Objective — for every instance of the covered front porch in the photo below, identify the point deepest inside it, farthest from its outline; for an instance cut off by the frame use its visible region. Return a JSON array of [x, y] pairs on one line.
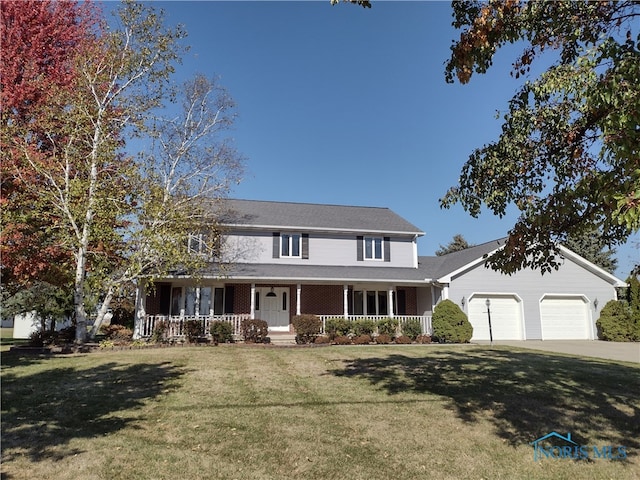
[[179, 301]]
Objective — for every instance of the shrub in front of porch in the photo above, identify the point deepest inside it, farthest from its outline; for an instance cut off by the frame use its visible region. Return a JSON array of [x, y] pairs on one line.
[[388, 326], [118, 334], [160, 330], [192, 330], [255, 330], [342, 340], [337, 327], [362, 339], [412, 328], [221, 332], [363, 326], [383, 339], [450, 324], [307, 327], [403, 340]]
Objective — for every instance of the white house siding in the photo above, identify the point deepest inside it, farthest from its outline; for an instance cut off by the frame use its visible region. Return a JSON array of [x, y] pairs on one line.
[[531, 287], [424, 301], [324, 249]]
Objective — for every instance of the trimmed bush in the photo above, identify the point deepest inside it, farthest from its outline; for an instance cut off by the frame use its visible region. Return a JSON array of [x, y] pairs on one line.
[[383, 339], [423, 339], [192, 330], [337, 327], [362, 340], [255, 331], [221, 332], [616, 323], [342, 340], [388, 326], [363, 326], [322, 339], [450, 324], [411, 328], [159, 333], [68, 334], [307, 327], [118, 334], [403, 340]]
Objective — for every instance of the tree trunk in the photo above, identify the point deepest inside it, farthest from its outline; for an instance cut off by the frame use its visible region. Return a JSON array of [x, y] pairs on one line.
[[104, 308]]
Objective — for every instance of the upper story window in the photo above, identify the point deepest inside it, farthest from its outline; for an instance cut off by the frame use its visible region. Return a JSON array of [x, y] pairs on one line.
[[373, 248], [290, 245], [199, 243]]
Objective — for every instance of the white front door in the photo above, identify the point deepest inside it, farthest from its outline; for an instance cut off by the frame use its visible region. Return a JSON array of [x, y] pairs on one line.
[[274, 309]]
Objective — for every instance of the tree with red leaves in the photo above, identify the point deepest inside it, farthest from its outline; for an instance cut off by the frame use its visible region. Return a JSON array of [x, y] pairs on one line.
[[39, 40]]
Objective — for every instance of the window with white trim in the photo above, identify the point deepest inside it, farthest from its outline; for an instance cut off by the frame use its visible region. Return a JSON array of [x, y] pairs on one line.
[[290, 245], [368, 302], [200, 243], [373, 248]]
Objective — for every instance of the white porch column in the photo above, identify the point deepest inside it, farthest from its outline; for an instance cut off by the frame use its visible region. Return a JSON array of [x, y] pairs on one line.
[[253, 301], [445, 292], [390, 303], [141, 296], [298, 298], [345, 300]]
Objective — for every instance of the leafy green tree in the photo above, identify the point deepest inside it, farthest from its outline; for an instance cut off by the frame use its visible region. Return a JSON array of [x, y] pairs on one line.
[[633, 296], [592, 247], [121, 217], [455, 245], [568, 153], [51, 303]]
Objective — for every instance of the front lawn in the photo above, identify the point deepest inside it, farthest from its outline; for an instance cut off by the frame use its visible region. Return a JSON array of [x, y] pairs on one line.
[[375, 412]]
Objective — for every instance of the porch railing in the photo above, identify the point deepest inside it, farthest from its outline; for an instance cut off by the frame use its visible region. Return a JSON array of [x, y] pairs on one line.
[[175, 323], [425, 320]]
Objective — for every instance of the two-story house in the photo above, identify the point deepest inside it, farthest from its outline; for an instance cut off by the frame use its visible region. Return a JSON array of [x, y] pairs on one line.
[[284, 259], [294, 258]]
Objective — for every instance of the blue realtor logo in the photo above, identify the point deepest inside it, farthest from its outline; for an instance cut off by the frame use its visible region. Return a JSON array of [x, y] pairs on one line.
[[565, 447]]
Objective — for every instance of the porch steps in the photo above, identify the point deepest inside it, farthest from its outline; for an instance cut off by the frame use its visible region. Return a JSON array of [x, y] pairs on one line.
[[282, 338]]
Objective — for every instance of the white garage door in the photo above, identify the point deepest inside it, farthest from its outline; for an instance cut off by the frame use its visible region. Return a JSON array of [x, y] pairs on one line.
[[564, 318], [506, 317]]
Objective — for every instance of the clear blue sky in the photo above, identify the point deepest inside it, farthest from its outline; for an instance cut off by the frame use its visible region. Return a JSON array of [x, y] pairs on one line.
[[345, 105]]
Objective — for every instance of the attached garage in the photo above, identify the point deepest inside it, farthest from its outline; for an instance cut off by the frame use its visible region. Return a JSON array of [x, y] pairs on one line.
[[565, 317], [506, 316]]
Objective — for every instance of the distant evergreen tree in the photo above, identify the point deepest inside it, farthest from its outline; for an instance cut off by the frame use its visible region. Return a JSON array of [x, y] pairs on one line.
[[592, 246], [455, 245], [633, 296]]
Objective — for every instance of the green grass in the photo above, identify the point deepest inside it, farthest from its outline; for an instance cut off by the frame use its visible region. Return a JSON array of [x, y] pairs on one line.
[[234, 412]]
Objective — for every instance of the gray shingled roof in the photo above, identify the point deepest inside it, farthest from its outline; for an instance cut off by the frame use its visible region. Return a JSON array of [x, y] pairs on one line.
[[245, 271], [310, 216], [438, 267]]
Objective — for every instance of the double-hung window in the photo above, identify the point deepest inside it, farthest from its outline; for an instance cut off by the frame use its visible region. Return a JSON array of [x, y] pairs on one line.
[[373, 248], [290, 245]]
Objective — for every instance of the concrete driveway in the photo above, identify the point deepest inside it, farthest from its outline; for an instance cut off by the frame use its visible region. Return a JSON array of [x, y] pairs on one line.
[[619, 351]]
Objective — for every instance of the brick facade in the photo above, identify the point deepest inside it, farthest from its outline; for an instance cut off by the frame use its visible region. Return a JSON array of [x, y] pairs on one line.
[[322, 299]]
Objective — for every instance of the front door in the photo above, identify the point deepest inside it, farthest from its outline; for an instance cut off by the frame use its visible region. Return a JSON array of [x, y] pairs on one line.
[[273, 307]]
